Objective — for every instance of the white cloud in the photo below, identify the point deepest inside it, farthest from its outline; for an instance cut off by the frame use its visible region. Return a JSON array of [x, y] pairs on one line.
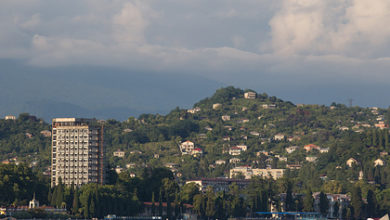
[[354, 28], [216, 39]]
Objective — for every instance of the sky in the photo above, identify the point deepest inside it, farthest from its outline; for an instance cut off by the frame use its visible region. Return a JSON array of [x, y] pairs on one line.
[[305, 51]]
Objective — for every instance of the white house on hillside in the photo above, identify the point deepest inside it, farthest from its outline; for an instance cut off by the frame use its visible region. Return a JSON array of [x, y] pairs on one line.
[[187, 147], [351, 161], [379, 162], [250, 95]]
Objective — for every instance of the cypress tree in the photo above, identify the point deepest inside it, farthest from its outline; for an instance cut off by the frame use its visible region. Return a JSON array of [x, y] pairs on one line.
[[210, 205], [324, 204], [380, 139], [49, 195], [76, 203], [356, 202], [308, 201], [289, 198], [92, 207], [153, 205], [86, 208], [377, 175], [374, 138], [336, 209], [371, 204], [160, 205], [177, 205], [60, 195]]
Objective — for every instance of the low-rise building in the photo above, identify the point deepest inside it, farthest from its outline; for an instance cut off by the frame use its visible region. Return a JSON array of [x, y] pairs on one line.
[[131, 165], [381, 125], [234, 160], [119, 153], [291, 149], [234, 151], [351, 161], [225, 117], [220, 162], [45, 133], [324, 149], [379, 162], [118, 169], [187, 147], [293, 166], [310, 147], [250, 95], [242, 147], [268, 106], [311, 159], [10, 117], [197, 152], [193, 110], [218, 184], [343, 128], [127, 130], [217, 106], [248, 172], [279, 137]]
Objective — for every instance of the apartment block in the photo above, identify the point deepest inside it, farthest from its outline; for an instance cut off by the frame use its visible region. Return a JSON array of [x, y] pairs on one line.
[[77, 151]]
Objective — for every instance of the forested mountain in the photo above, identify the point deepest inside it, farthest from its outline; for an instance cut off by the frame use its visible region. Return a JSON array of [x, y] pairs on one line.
[[268, 126]]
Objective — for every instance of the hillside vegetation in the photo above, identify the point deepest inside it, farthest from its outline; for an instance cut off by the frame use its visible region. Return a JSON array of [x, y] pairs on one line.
[[153, 140]]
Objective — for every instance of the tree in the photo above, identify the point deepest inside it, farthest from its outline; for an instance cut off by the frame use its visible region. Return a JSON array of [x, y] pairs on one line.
[[160, 205], [210, 204], [308, 201], [336, 209], [76, 202], [356, 202], [324, 204], [371, 204], [199, 205], [289, 198], [188, 191], [177, 205], [153, 205]]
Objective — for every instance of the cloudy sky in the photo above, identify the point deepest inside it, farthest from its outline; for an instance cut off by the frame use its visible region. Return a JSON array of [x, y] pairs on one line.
[[310, 51]]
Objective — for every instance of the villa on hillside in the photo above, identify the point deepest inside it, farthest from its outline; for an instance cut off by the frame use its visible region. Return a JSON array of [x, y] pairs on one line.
[[310, 147], [187, 147], [250, 95], [351, 161]]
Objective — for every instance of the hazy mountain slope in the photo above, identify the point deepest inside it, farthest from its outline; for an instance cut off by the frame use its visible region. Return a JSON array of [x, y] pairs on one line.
[[95, 91]]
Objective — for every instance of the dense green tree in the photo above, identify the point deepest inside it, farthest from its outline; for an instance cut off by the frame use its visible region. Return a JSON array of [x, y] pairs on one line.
[[324, 204], [210, 204], [199, 205], [188, 191], [371, 204], [308, 201], [356, 202], [153, 205], [336, 209], [76, 202]]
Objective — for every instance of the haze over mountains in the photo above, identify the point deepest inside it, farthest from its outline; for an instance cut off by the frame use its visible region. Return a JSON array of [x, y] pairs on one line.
[[95, 91], [106, 92]]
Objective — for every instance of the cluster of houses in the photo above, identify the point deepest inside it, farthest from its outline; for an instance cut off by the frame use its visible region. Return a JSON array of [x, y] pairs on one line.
[[223, 185], [188, 147], [248, 172]]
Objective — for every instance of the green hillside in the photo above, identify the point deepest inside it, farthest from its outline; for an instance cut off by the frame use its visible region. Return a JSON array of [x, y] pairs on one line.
[[153, 140]]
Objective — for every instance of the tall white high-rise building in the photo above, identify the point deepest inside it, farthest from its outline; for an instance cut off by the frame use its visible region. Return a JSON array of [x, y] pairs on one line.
[[77, 151]]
